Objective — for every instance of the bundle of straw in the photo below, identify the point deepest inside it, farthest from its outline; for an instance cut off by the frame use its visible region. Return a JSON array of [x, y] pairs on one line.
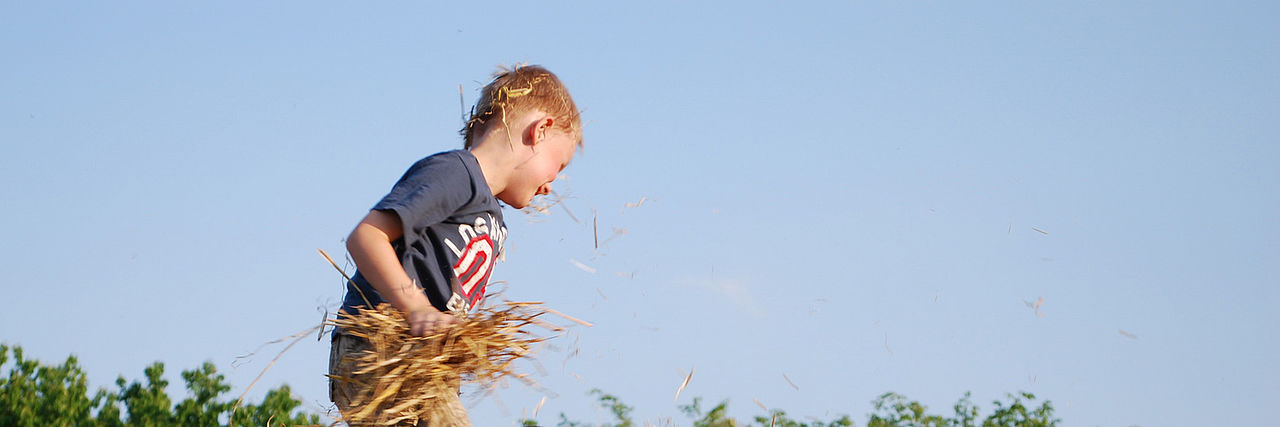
[[403, 377]]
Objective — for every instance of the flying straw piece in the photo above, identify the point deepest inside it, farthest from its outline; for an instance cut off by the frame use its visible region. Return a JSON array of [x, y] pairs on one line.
[[1126, 334], [617, 231], [558, 199], [539, 306], [322, 319], [462, 106], [296, 337], [582, 266], [334, 264], [793, 385], [595, 228], [576, 351], [1041, 231], [566, 317], [536, 408], [567, 211], [1035, 305], [636, 204], [268, 343], [684, 384], [344, 274], [761, 405]]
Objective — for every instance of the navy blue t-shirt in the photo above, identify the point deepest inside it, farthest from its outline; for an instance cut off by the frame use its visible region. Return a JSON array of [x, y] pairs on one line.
[[453, 232]]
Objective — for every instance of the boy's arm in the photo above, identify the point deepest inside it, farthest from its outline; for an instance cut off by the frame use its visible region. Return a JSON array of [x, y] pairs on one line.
[[370, 247]]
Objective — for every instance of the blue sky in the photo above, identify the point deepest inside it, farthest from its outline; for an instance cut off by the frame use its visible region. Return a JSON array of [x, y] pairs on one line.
[[861, 196]]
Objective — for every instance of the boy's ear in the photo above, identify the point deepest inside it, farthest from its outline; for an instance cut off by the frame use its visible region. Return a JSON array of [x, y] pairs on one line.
[[539, 128]]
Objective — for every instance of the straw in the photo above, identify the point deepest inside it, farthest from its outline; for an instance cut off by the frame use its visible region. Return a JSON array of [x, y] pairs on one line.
[[404, 377]]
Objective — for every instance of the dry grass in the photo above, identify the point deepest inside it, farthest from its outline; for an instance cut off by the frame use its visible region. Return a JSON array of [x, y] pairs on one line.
[[403, 377]]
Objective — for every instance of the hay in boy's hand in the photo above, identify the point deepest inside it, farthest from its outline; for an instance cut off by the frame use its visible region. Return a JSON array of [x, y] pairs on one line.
[[402, 377]]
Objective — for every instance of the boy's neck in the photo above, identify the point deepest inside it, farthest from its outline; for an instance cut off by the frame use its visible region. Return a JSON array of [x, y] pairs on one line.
[[497, 157]]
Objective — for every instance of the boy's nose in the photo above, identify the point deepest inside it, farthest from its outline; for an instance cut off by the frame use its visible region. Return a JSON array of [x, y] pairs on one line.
[[545, 189]]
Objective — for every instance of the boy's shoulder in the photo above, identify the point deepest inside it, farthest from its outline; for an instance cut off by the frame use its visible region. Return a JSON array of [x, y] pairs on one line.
[[449, 178], [453, 166], [445, 159]]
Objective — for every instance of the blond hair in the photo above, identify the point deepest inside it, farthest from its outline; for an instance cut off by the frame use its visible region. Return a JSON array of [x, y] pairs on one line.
[[519, 90]]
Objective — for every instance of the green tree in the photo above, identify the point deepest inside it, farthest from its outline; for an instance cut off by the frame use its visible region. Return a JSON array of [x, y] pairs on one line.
[[37, 395], [890, 410], [1017, 414], [893, 410], [779, 418], [202, 408], [715, 418], [149, 404], [718, 417], [620, 411], [277, 408], [108, 405], [34, 394]]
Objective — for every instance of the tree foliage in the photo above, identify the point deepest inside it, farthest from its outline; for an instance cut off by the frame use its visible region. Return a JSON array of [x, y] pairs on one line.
[[894, 410], [34, 394], [889, 410]]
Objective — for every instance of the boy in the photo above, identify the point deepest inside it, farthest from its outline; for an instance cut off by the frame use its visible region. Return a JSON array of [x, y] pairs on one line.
[[429, 246]]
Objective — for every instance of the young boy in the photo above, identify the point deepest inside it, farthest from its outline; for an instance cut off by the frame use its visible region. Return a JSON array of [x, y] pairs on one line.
[[429, 246]]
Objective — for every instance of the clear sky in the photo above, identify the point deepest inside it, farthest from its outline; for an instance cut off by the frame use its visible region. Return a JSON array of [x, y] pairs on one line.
[[861, 196]]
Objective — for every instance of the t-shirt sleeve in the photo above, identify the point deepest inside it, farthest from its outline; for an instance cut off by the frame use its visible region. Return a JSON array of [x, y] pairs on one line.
[[429, 192]]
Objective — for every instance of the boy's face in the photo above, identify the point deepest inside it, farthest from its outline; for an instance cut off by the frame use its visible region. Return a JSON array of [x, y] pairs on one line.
[[533, 177]]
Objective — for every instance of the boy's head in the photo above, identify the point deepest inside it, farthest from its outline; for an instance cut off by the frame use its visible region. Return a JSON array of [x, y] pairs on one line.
[[524, 130], [517, 91]]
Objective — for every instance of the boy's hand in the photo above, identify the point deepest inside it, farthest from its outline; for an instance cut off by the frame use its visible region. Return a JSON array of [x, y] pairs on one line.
[[427, 321]]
